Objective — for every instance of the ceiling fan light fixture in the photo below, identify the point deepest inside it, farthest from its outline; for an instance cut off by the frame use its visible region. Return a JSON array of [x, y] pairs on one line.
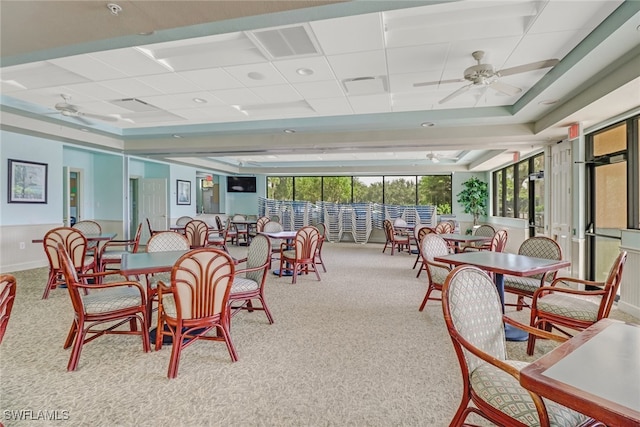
[[304, 71], [289, 131], [427, 124]]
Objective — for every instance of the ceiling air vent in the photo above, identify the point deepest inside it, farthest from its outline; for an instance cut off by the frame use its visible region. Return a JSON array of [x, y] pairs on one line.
[[134, 104], [286, 42], [365, 85]]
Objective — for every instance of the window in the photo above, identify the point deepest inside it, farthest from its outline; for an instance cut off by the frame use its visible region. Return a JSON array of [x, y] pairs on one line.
[[518, 191], [434, 190]]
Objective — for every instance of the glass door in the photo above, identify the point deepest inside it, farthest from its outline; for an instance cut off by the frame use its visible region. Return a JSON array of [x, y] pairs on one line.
[[607, 199]]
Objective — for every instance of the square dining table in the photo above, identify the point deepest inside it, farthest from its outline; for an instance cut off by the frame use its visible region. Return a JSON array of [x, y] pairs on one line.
[[457, 238], [501, 263], [597, 373]]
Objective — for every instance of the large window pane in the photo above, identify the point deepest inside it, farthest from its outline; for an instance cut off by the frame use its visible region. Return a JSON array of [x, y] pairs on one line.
[[435, 190], [510, 194], [523, 190], [280, 187], [308, 188], [499, 193], [336, 189], [367, 189], [400, 190], [611, 199]]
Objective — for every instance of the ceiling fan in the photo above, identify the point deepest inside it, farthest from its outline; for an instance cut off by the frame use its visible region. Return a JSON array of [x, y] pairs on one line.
[[70, 110], [436, 157], [484, 75]]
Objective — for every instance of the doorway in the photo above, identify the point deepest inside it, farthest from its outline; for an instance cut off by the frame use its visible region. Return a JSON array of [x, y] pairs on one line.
[[133, 207], [72, 195], [606, 198]]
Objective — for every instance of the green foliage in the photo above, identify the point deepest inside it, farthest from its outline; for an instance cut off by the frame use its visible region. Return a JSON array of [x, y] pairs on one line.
[[474, 198]]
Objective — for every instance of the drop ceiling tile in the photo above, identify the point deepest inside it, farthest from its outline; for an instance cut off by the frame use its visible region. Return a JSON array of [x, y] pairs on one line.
[[399, 83], [211, 79], [130, 61], [362, 64], [365, 104], [89, 67], [213, 114], [415, 101], [86, 91], [131, 87], [412, 59], [537, 47], [315, 90], [343, 35], [169, 83], [277, 93], [256, 74], [238, 96], [179, 101], [331, 106], [40, 75], [318, 65]]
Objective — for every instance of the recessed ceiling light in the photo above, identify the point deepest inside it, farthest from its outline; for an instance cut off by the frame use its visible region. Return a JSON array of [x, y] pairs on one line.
[[254, 75], [175, 135], [84, 130], [114, 8], [304, 71], [427, 124], [548, 102], [146, 33], [289, 131], [199, 100]]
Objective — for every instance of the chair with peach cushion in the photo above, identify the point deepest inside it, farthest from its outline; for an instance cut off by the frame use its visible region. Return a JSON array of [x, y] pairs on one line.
[[75, 244], [394, 239], [89, 227], [485, 230], [7, 297], [101, 305], [444, 227], [300, 255], [497, 244], [562, 308], [248, 282], [195, 301], [474, 319], [432, 245]]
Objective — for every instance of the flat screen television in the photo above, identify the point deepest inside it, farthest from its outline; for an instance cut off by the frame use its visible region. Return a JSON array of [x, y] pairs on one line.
[[241, 184]]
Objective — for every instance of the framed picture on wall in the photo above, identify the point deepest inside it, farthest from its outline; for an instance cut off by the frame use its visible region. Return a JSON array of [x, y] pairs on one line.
[[183, 192], [27, 182]]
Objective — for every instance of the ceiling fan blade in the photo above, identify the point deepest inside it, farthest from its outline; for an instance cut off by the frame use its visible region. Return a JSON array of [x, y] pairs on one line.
[[438, 82], [528, 67], [458, 92], [505, 88]]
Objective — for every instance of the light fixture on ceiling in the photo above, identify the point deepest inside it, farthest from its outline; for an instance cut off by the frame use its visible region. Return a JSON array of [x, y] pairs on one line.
[[548, 102], [289, 131], [199, 100], [304, 71], [146, 33], [114, 8], [254, 75], [427, 124], [175, 135]]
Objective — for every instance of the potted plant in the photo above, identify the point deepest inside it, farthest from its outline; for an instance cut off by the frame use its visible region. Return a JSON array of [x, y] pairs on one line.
[[474, 198]]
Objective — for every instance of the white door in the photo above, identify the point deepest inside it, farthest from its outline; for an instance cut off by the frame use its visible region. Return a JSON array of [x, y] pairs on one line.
[[561, 189], [152, 197]]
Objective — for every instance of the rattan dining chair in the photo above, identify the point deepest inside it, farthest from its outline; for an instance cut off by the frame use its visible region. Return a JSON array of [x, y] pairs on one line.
[[432, 245], [567, 309], [7, 298], [394, 239], [300, 255], [112, 251], [195, 301], [197, 233], [474, 319]]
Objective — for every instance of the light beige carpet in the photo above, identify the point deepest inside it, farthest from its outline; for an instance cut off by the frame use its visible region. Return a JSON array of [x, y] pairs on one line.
[[350, 350]]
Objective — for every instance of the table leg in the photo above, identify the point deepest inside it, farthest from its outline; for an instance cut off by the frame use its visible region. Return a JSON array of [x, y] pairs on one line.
[[511, 333]]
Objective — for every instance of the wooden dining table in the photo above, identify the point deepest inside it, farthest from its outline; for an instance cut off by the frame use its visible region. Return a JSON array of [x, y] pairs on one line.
[[501, 263], [282, 235], [597, 373], [457, 239]]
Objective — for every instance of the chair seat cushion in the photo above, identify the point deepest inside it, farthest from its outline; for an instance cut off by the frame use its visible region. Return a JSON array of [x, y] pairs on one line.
[[112, 256], [154, 279], [110, 299], [216, 239], [438, 274], [169, 305], [88, 261], [242, 284], [289, 254], [522, 284], [504, 392], [570, 306]]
